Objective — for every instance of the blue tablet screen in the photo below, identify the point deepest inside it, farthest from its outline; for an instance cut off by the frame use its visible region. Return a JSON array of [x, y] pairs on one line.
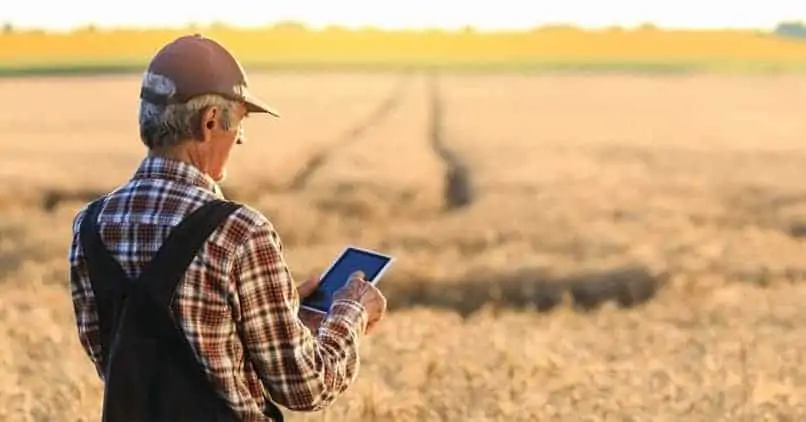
[[351, 261]]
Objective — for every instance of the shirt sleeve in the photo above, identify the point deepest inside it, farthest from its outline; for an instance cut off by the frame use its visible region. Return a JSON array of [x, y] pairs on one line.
[[301, 370], [84, 304]]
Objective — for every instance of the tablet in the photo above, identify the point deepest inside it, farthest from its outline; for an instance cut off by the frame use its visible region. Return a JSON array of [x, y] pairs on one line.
[[372, 264]]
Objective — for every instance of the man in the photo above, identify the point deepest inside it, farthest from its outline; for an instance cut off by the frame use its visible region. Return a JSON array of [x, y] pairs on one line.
[[183, 300]]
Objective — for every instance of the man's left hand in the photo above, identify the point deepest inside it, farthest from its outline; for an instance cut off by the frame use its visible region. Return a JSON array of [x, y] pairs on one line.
[[310, 319], [307, 287]]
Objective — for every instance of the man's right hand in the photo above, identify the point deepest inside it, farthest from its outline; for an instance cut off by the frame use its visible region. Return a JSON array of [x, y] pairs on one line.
[[361, 291]]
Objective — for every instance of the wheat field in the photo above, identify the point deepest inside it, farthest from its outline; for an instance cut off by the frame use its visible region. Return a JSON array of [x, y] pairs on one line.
[[542, 48], [570, 247]]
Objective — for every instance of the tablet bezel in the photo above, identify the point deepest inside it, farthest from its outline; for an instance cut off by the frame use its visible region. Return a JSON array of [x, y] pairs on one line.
[[347, 249]]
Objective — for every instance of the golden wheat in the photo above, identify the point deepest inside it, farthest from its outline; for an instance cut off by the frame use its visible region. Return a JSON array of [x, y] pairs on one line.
[[568, 177]]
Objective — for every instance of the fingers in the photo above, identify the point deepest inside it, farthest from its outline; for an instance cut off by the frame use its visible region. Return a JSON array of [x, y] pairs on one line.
[[373, 322], [368, 295], [306, 288], [311, 320], [378, 314]]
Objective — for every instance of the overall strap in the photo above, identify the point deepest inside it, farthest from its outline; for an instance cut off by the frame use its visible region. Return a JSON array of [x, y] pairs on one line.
[[168, 266], [107, 278]]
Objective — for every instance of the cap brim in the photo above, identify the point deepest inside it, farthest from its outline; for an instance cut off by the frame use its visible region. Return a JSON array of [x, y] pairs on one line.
[[256, 105]]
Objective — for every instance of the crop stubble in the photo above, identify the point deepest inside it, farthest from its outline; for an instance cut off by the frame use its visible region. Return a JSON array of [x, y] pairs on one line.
[[570, 183]]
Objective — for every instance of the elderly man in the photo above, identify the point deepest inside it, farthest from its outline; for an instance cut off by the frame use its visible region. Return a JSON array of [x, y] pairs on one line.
[[183, 300]]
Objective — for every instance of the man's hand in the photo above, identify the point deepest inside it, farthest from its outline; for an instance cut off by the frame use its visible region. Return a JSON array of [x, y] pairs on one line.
[[308, 286], [368, 295], [310, 319]]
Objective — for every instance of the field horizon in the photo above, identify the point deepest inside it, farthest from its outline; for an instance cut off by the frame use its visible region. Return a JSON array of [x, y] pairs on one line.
[[293, 46]]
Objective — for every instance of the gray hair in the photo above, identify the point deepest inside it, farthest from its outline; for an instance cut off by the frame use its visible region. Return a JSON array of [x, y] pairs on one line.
[[166, 126]]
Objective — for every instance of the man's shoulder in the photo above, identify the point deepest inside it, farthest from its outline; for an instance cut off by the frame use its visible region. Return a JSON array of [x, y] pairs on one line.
[[78, 217], [248, 220], [250, 215], [244, 226]]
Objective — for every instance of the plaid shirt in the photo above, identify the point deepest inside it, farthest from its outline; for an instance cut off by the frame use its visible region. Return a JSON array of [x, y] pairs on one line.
[[237, 298]]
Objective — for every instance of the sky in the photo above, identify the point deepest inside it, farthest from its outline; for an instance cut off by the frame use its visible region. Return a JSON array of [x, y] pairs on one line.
[[496, 14]]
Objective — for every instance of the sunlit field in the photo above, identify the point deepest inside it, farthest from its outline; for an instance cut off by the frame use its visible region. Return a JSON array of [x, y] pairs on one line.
[[646, 49], [570, 247]]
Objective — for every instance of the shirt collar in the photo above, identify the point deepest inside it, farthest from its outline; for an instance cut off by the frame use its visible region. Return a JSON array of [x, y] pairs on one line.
[[176, 171]]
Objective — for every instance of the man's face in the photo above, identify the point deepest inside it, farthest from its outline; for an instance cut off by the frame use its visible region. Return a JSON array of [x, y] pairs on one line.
[[218, 142]]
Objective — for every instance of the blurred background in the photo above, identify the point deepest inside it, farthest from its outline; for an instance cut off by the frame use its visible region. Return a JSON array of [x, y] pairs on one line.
[[597, 208]]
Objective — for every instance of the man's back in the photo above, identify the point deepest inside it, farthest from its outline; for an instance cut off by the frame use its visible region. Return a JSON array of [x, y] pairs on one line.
[[236, 302], [150, 370]]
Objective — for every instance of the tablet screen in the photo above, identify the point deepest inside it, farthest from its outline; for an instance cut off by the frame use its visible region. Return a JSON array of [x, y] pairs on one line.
[[350, 261]]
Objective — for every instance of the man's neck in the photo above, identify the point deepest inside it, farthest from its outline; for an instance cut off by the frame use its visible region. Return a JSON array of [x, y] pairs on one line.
[[180, 154], [174, 153]]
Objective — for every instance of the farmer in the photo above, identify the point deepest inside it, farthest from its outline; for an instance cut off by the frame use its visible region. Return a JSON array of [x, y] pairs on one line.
[[183, 300]]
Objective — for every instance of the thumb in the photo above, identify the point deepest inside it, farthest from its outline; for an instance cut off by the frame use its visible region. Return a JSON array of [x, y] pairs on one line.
[[308, 286]]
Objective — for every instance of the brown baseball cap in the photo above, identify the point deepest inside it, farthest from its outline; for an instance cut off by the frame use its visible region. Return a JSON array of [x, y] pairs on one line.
[[199, 65]]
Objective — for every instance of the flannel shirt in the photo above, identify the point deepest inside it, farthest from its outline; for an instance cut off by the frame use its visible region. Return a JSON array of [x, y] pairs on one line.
[[237, 304]]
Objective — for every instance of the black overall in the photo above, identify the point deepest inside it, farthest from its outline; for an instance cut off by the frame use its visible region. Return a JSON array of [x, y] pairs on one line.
[[151, 373]]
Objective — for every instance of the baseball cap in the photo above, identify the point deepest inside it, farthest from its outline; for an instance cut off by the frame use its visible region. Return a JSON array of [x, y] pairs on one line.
[[199, 65]]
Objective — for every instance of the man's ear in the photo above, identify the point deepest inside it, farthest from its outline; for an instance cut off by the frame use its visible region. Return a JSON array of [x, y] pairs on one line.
[[209, 122]]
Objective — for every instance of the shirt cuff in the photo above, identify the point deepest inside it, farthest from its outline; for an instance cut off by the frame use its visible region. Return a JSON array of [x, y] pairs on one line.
[[350, 311]]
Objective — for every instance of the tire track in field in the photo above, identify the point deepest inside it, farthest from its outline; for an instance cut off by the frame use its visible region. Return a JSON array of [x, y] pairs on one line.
[[629, 285], [376, 116], [51, 199], [459, 191]]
